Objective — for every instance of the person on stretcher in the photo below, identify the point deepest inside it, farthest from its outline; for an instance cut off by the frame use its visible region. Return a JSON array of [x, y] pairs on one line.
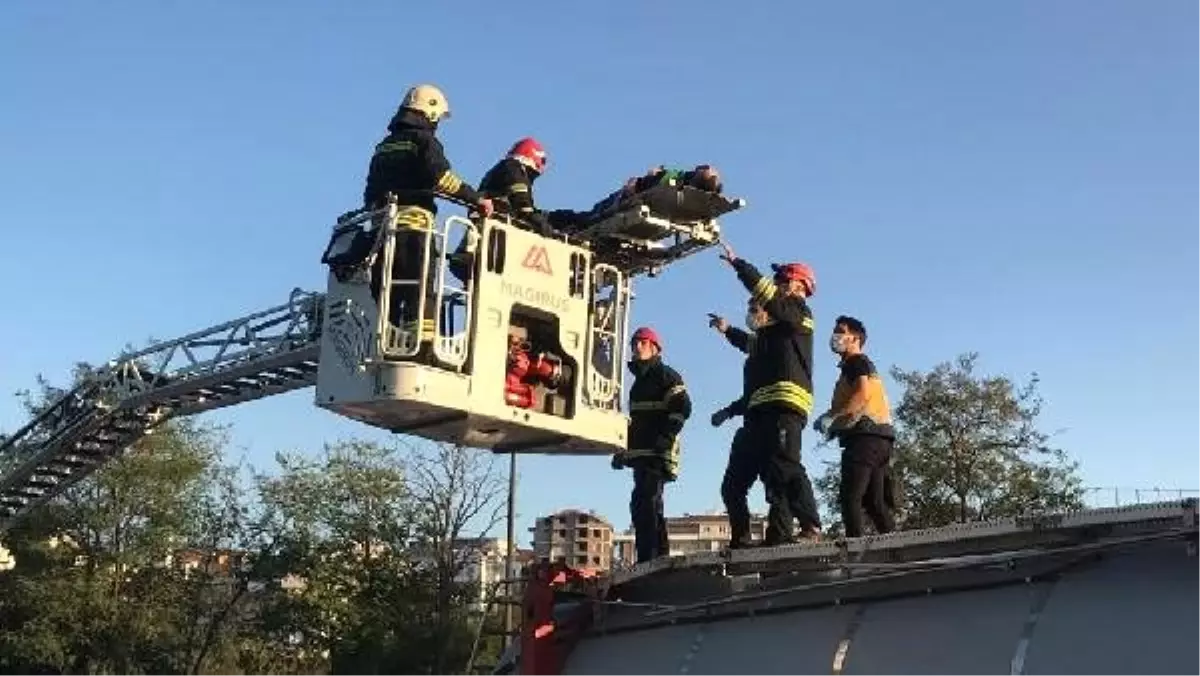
[[702, 177]]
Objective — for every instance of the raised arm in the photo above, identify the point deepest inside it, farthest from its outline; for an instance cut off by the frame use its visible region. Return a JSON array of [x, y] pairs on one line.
[[739, 339], [789, 310]]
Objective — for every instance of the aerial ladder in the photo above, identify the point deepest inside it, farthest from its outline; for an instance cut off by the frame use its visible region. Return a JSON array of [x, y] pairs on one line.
[[525, 356]]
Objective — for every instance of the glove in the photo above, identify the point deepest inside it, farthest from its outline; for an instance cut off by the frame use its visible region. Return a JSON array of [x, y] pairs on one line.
[[823, 423], [618, 461], [720, 417]]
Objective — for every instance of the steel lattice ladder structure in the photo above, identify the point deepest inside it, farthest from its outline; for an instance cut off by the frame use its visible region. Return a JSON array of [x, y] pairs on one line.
[[265, 353]]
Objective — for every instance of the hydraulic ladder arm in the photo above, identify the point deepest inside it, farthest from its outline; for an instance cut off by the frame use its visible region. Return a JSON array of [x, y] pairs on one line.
[[259, 355]]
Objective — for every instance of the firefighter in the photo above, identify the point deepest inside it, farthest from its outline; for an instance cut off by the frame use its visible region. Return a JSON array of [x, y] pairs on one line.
[[779, 386], [410, 164], [743, 467], [861, 419], [659, 406], [509, 184]]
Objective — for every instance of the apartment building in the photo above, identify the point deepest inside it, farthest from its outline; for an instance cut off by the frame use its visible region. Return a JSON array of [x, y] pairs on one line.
[[581, 539], [484, 566], [690, 533]]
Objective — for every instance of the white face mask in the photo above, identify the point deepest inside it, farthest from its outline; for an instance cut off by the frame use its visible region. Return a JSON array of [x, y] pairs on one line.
[[754, 323], [837, 342]]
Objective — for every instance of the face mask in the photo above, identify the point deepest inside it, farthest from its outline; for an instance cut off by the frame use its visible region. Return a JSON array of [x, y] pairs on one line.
[[837, 342]]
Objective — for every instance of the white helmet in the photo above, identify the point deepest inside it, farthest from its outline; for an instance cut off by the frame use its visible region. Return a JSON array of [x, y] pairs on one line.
[[427, 100]]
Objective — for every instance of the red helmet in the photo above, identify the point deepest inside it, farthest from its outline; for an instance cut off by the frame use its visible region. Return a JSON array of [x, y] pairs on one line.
[[647, 334], [796, 272], [529, 152]]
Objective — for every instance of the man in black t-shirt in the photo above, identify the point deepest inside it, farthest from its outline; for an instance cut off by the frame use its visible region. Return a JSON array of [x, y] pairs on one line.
[[861, 418]]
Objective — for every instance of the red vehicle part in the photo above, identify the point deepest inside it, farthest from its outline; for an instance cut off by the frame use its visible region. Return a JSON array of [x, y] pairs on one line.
[[524, 373], [551, 626], [516, 391]]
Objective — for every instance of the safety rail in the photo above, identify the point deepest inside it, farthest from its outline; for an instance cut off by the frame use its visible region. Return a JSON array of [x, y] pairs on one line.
[[397, 342], [404, 342], [1117, 496], [68, 409], [265, 353], [610, 307], [453, 343], [953, 540]]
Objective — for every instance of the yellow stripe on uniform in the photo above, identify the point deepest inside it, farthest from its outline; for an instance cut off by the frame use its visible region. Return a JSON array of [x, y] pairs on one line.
[[670, 460], [427, 326], [396, 147], [647, 406], [808, 324], [449, 183], [414, 218], [764, 290], [517, 188], [640, 453], [784, 392], [674, 391]]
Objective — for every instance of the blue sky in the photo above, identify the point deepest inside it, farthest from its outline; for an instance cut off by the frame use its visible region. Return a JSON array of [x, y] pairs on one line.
[[1015, 178]]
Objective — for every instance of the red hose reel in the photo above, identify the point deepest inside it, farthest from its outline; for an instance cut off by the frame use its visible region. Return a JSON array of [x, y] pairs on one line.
[[525, 373]]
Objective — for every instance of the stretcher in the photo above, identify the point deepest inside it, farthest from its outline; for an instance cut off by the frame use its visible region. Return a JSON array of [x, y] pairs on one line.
[[648, 230]]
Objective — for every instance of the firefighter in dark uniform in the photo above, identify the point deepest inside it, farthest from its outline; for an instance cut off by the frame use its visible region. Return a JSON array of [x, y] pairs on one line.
[[743, 467], [509, 184], [861, 419], [659, 406], [779, 387], [411, 164]]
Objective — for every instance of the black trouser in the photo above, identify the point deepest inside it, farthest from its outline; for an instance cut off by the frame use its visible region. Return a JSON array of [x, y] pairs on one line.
[[408, 262], [646, 510], [740, 474], [864, 483], [775, 435], [891, 491]]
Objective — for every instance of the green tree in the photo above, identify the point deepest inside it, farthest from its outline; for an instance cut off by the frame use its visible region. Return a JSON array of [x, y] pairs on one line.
[[347, 562], [458, 495], [342, 520], [92, 590], [368, 532], [968, 447]]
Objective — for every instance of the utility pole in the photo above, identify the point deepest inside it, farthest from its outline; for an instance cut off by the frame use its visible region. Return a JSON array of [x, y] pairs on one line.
[[510, 563]]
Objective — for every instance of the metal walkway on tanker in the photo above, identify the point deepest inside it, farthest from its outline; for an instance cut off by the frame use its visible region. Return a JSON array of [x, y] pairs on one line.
[[1097, 591]]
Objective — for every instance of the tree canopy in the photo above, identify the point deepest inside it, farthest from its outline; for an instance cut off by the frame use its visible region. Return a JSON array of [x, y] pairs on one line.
[[169, 560]]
